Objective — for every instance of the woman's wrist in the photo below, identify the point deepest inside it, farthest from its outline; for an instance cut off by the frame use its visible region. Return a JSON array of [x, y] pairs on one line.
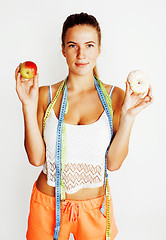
[[127, 118], [29, 109]]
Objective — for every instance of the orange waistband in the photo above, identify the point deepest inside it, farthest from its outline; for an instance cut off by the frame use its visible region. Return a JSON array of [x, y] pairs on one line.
[[50, 200]]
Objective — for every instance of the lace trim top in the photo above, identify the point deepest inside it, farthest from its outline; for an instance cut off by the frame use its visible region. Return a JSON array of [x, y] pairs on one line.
[[85, 152]]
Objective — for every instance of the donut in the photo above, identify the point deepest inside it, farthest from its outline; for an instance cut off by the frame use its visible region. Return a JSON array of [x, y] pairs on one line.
[[138, 81]]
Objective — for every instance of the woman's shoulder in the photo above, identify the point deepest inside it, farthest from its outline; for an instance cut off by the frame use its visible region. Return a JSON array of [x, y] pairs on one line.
[[55, 86], [118, 95], [44, 89], [117, 91], [43, 93]]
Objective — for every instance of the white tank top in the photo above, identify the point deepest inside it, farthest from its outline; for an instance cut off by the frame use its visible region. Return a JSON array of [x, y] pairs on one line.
[[85, 152]]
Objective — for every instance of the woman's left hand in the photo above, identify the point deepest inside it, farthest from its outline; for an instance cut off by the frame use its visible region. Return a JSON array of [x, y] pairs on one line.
[[134, 103]]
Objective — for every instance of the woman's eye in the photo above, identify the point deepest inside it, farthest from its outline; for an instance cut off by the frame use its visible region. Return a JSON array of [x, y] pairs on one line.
[[72, 45], [90, 45]]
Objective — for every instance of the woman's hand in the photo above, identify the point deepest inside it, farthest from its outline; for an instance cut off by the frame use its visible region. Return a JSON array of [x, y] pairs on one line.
[[33, 113], [27, 90], [134, 103]]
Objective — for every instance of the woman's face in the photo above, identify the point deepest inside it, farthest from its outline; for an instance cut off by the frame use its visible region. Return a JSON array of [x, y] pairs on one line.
[[81, 49]]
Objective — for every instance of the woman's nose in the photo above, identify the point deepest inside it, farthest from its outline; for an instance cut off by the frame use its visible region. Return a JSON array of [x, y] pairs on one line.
[[81, 53]]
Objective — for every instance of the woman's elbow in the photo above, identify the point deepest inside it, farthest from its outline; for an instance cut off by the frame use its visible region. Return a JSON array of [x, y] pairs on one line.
[[116, 164], [113, 168], [36, 163], [35, 159]]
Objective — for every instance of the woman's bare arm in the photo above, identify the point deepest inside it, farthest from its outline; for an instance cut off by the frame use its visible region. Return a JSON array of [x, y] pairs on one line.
[[33, 141], [32, 98], [127, 105]]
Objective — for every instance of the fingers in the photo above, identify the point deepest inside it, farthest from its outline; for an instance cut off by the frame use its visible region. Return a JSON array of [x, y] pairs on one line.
[[128, 89], [141, 95], [36, 82], [150, 92], [18, 76], [128, 86], [146, 101], [18, 83], [17, 70], [149, 97], [142, 105], [18, 79], [135, 97]]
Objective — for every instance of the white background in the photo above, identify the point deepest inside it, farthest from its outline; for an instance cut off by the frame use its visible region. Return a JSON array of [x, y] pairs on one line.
[[133, 37]]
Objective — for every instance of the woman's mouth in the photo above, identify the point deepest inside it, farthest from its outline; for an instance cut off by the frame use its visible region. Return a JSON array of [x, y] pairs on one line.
[[81, 64]]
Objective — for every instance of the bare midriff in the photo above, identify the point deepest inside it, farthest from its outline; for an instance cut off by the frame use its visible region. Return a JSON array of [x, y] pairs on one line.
[[83, 194]]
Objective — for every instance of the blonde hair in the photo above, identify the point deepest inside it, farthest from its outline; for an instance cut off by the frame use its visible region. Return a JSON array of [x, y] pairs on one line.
[[82, 19], [95, 72]]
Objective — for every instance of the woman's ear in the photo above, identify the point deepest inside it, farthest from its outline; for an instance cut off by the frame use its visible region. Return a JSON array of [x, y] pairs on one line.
[[63, 51]]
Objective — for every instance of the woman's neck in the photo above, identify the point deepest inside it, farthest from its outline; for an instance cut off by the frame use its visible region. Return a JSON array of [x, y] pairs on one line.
[[78, 83]]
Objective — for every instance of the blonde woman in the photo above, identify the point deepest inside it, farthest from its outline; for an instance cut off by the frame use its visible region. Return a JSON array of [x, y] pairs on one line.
[[84, 131]]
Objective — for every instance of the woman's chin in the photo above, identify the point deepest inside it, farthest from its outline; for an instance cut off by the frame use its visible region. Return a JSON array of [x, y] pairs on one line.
[[82, 72]]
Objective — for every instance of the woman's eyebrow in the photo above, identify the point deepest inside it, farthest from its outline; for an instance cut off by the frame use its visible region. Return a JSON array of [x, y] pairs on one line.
[[91, 42], [76, 43]]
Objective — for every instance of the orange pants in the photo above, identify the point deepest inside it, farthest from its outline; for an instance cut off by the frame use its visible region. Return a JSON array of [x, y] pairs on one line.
[[80, 217]]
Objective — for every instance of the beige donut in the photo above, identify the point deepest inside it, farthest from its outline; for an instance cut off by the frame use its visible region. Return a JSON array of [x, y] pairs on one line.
[[139, 82]]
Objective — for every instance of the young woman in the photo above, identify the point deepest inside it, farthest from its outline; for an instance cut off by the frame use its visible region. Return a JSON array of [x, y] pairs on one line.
[[84, 131]]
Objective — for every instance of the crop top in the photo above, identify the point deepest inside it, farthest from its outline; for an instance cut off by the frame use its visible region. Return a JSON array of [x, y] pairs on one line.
[[85, 152]]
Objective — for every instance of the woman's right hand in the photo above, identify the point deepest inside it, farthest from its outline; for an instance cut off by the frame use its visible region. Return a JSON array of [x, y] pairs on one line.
[[27, 90]]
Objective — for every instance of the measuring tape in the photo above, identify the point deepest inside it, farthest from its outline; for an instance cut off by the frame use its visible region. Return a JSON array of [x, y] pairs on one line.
[[61, 150], [106, 101]]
